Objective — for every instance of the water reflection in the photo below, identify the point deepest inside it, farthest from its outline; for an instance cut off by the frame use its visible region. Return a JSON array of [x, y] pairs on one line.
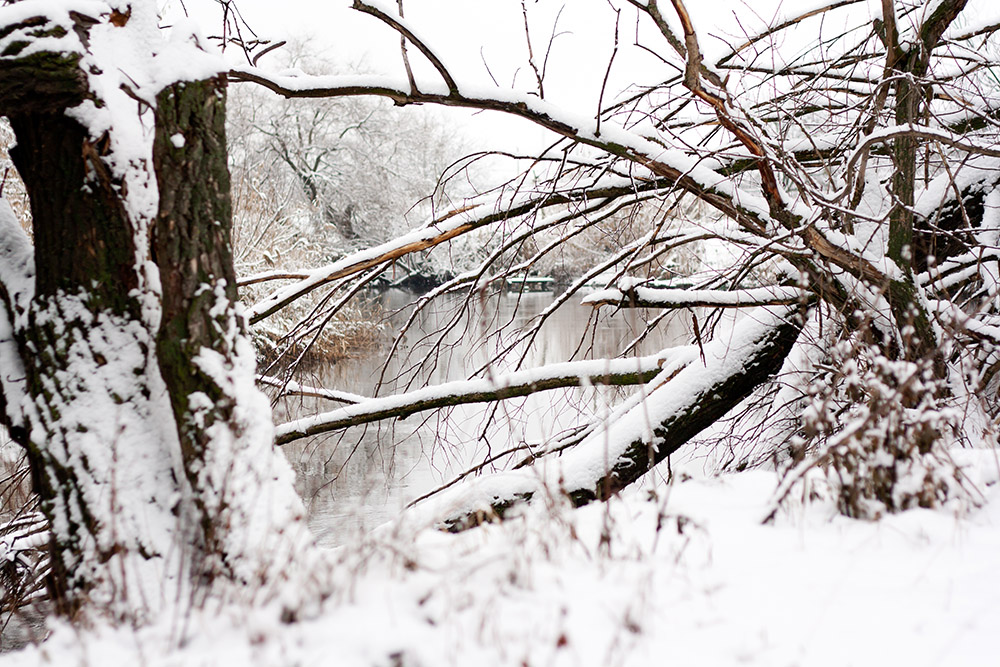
[[357, 479]]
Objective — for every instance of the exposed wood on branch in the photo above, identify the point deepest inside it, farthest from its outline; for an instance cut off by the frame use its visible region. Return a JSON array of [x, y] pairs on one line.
[[268, 276], [434, 236], [652, 9]]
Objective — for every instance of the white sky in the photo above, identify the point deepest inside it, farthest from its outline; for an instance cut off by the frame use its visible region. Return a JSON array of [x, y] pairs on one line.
[[468, 35]]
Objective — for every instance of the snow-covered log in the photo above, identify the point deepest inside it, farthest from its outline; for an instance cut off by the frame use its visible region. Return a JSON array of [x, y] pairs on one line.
[[641, 296], [671, 410]]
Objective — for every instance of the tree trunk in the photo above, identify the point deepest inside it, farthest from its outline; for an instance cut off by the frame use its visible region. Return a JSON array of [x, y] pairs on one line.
[[93, 416], [223, 423], [149, 447], [909, 68]]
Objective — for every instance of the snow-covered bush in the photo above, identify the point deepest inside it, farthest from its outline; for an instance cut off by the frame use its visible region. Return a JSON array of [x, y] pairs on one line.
[[880, 430]]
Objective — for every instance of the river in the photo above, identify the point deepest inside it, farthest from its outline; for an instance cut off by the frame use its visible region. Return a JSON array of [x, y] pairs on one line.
[[358, 479]]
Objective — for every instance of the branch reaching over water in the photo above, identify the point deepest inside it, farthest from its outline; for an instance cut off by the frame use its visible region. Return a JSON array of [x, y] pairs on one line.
[[657, 297], [613, 372]]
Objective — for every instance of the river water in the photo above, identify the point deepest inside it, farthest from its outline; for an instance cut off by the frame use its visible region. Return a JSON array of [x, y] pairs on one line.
[[355, 480]]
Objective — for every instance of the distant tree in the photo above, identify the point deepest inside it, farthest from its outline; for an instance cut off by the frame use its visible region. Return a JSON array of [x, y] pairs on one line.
[[316, 179], [362, 171]]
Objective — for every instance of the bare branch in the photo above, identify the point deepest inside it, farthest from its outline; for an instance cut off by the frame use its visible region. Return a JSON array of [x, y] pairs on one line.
[[292, 388], [771, 30], [442, 229], [573, 374], [397, 24]]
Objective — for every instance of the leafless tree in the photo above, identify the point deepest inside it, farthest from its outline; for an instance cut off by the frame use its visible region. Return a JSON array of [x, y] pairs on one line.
[[855, 181], [857, 173]]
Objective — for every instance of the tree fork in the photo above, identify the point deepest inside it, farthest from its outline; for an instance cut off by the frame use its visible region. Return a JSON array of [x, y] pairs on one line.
[[149, 448]]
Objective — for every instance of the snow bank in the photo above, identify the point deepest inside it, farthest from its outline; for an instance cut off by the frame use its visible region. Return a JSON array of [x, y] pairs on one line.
[[681, 573]]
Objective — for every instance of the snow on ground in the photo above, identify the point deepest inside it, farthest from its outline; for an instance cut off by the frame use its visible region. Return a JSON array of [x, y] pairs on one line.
[[669, 574]]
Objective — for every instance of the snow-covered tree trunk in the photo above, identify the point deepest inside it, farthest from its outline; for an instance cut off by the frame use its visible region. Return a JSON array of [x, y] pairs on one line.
[[150, 449], [909, 64]]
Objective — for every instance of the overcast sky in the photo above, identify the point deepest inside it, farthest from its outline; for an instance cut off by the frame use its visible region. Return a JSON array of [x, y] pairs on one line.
[[478, 40], [483, 39]]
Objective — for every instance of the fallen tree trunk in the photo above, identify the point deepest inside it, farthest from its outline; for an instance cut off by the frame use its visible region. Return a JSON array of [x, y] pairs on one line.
[[705, 395], [674, 408]]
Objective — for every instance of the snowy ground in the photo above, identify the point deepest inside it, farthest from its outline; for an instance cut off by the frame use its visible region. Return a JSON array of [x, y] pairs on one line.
[[669, 574]]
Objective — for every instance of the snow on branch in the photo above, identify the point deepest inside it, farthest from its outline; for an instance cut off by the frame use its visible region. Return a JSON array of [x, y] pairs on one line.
[[671, 410], [889, 134], [41, 43], [687, 172], [771, 30], [613, 372], [640, 296], [438, 231], [390, 17], [293, 388]]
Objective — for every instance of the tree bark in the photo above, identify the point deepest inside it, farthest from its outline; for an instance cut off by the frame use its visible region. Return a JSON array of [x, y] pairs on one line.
[[149, 447], [86, 351], [192, 250], [223, 424]]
